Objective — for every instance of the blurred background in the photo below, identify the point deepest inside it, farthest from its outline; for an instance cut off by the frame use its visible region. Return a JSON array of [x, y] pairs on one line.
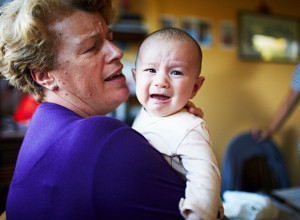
[[244, 84], [250, 50]]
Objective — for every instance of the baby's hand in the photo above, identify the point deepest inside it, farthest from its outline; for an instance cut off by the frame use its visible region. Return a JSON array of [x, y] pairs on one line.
[[194, 110]]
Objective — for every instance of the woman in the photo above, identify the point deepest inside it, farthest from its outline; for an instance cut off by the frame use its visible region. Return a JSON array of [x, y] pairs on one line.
[[76, 163]]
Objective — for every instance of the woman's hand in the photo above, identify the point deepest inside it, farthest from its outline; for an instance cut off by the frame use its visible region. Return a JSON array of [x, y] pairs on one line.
[[194, 110]]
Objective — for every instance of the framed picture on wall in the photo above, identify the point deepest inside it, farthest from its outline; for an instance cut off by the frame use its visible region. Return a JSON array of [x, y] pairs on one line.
[[204, 32], [269, 38], [227, 35], [167, 21], [189, 24]]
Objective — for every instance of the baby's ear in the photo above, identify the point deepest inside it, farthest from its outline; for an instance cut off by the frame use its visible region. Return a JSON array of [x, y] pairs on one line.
[[197, 85], [133, 73]]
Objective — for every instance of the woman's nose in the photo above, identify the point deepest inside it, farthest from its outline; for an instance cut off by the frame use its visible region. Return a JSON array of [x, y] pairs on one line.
[[114, 52]]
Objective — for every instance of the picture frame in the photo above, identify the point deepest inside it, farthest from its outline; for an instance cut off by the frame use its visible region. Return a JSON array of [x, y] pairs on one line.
[[268, 38], [204, 33], [200, 29], [167, 21], [227, 35], [189, 24]]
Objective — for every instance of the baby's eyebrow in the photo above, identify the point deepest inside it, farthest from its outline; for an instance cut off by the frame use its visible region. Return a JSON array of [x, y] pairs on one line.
[[177, 64]]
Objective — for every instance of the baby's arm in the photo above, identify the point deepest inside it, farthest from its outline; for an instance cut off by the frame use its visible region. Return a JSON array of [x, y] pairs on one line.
[[203, 176]]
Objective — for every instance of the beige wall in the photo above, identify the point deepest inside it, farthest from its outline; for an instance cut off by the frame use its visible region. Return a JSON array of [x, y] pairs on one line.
[[237, 95]]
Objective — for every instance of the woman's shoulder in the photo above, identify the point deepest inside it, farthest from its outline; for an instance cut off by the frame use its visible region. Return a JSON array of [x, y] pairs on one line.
[[105, 128], [100, 125], [103, 121], [57, 116], [76, 130]]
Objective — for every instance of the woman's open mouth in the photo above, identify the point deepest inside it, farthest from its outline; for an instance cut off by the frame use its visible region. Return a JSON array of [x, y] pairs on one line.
[[114, 77]]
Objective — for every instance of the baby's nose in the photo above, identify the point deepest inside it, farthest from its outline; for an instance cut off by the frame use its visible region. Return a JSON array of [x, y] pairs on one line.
[[161, 81]]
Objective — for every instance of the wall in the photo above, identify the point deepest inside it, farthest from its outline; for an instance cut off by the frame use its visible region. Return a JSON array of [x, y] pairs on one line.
[[237, 95]]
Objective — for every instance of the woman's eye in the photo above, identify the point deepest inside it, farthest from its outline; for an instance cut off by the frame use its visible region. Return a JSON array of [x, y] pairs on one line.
[[151, 70], [110, 37], [90, 49], [177, 73]]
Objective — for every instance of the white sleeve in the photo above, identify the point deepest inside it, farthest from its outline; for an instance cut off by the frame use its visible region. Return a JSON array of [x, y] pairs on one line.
[[203, 176]]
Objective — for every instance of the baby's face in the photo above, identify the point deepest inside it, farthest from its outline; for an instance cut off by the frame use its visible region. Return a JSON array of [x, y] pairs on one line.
[[167, 75]]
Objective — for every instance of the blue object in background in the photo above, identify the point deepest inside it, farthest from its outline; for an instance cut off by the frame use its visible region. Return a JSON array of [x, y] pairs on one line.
[[244, 147]]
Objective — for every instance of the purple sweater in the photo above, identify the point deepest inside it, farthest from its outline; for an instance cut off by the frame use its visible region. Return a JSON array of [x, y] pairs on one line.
[[71, 167]]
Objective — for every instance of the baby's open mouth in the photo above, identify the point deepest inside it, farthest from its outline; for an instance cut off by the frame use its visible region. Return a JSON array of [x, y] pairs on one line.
[[160, 97]]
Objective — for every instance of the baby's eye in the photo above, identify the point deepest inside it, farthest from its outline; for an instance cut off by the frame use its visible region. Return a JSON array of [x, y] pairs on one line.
[[176, 73], [151, 70]]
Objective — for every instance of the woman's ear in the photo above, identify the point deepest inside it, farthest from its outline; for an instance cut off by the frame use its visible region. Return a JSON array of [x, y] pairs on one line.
[[198, 83], [43, 78], [133, 70]]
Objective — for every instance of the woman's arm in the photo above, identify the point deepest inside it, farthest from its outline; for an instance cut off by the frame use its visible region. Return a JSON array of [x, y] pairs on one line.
[[285, 109], [133, 181]]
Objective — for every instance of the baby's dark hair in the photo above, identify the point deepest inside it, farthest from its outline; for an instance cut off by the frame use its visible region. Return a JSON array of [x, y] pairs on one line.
[[174, 34]]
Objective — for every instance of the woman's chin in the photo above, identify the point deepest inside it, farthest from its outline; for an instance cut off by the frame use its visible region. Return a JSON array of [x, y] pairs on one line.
[[122, 96]]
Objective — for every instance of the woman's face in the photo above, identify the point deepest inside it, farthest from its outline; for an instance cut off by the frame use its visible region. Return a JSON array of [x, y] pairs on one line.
[[88, 70]]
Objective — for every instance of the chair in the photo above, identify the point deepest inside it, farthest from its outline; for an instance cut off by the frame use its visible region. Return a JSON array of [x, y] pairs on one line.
[[251, 166]]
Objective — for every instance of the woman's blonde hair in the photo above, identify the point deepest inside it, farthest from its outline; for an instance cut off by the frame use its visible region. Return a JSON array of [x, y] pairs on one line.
[[27, 44]]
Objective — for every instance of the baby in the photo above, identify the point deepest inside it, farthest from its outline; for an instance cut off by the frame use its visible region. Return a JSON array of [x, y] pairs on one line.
[[167, 72]]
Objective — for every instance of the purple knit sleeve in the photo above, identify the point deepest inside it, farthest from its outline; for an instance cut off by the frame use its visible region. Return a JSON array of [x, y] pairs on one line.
[[133, 181]]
